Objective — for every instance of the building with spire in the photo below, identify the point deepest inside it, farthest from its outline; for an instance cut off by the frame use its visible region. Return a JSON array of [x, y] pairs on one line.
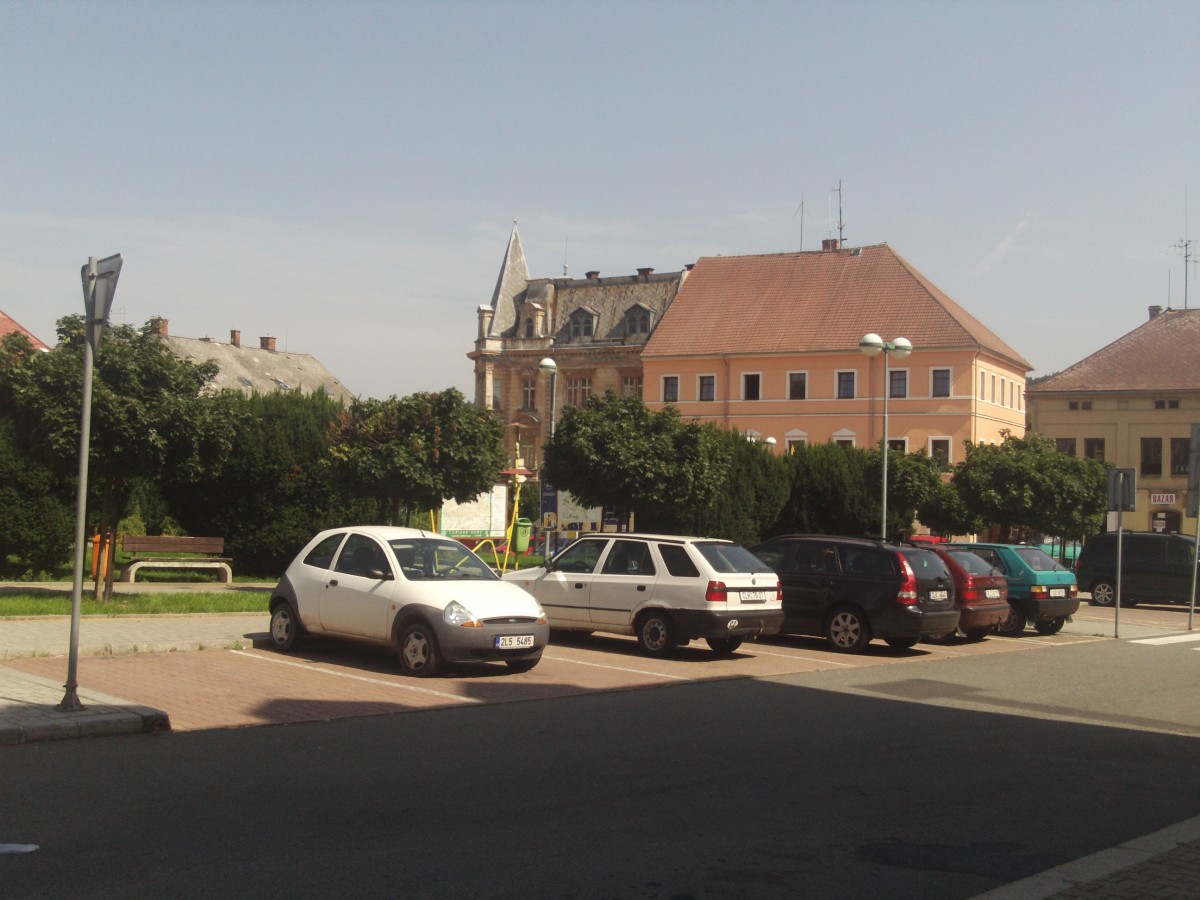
[[591, 329]]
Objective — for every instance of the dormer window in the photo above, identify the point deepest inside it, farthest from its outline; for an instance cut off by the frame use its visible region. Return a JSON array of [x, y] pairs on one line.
[[582, 324], [637, 321]]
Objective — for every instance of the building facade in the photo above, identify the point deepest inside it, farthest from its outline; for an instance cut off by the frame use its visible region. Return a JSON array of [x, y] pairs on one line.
[[593, 330], [769, 345], [1132, 404]]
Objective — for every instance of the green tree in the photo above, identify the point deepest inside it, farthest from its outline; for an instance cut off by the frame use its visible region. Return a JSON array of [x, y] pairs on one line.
[[152, 413], [831, 492], [614, 452], [754, 491], [36, 529], [416, 452], [913, 478]]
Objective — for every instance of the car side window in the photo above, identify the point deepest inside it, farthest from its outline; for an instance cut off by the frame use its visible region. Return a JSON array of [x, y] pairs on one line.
[[581, 557], [1179, 553], [360, 556], [321, 555], [810, 559], [992, 557], [628, 558], [866, 562], [677, 561]]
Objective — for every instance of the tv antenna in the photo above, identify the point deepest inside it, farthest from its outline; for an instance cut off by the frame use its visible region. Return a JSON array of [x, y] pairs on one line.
[[838, 190], [1186, 246], [800, 212]]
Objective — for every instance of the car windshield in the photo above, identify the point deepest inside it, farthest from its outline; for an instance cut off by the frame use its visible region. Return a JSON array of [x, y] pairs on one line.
[[430, 558], [972, 563], [728, 558], [1038, 560]]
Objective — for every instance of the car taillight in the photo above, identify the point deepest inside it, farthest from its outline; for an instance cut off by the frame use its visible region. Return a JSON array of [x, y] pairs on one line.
[[1039, 592], [779, 592], [908, 588], [970, 592], [716, 592]]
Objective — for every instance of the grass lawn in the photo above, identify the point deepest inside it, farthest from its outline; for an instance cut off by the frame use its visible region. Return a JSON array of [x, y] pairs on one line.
[[58, 603]]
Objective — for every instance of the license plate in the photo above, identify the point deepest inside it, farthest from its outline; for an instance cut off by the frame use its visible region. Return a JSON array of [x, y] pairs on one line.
[[1058, 592], [992, 593], [939, 595], [514, 641], [753, 596]]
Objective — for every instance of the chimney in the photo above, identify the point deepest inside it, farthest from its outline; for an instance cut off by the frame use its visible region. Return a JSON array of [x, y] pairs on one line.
[[1155, 311], [593, 275], [235, 337], [830, 244], [160, 325], [266, 343], [644, 274]]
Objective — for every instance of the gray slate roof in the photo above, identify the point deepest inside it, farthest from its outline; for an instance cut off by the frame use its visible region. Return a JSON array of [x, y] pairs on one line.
[[250, 369]]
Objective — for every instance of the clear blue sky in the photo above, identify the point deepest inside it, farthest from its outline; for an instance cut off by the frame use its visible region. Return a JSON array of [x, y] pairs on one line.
[[344, 175]]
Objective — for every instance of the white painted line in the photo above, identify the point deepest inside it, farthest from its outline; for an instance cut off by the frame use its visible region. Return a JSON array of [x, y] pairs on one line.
[[18, 848], [758, 651], [1170, 639], [579, 662], [362, 678]]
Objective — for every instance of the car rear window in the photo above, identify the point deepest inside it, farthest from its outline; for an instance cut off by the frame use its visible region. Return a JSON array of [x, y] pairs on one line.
[[1039, 560], [926, 563], [972, 563], [728, 558]]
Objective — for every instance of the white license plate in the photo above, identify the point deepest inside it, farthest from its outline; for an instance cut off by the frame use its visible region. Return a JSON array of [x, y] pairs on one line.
[[939, 595], [992, 593], [1058, 592], [514, 641], [753, 596]]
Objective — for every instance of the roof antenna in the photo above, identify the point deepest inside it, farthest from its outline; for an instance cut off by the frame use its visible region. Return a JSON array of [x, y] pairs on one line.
[[800, 212], [565, 238], [838, 191], [1186, 246]]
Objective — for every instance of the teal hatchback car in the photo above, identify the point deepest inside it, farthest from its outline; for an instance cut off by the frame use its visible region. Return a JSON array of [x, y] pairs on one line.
[[1041, 592]]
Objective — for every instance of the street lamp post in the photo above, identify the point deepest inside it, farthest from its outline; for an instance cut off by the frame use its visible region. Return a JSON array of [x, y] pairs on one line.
[[872, 345], [549, 367]]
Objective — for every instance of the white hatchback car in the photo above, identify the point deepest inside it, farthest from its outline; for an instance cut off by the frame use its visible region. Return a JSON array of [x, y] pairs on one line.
[[424, 594], [665, 589]]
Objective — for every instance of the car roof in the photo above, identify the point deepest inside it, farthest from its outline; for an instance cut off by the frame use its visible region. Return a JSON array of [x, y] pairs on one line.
[[387, 532], [646, 536], [839, 538]]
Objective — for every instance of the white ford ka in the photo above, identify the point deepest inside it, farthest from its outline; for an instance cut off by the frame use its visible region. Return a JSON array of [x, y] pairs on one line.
[[426, 595]]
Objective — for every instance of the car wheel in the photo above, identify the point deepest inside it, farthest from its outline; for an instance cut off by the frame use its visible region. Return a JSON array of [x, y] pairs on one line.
[[1104, 593], [1050, 626], [521, 665], [978, 634], [1014, 625], [285, 627], [418, 651], [724, 646], [656, 633], [901, 643], [847, 631]]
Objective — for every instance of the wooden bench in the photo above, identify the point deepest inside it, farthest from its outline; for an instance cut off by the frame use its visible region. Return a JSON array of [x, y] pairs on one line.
[[211, 549]]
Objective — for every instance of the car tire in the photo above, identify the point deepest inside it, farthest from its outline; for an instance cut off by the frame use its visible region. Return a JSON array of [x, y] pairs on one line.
[[724, 646], [285, 627], [901, 643], [1014, 625], [419, 655], [1104, 593], [521, 665], [1050, 626], [656, 633], [847, 630], [978, 634]]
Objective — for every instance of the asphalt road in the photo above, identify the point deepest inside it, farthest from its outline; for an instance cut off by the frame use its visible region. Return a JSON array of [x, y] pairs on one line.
[[935, 779]]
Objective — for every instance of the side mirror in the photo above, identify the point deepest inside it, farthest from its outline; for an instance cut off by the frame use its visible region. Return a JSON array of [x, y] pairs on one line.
[[380, 575]]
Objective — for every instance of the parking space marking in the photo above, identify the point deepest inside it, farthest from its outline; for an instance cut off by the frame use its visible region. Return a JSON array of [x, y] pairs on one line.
[[1170, 639], [383, 681], [580, 662], [758, 651]]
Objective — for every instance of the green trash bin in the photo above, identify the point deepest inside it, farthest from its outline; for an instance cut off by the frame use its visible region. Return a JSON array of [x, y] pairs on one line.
[[521, 531]]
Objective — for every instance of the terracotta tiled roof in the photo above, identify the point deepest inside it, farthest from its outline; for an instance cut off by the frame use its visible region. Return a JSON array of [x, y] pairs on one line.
[[1162, 354], [8, 325], [814, 301]]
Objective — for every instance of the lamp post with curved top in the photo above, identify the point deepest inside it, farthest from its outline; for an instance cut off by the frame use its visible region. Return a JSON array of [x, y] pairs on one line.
[[872, 345], [549, 367]]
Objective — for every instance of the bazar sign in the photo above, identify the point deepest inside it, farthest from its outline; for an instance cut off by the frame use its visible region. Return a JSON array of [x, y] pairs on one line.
[[1162, 499]]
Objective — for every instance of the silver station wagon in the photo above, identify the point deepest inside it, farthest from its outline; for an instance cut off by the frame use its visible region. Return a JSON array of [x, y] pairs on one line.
[[666, 590]]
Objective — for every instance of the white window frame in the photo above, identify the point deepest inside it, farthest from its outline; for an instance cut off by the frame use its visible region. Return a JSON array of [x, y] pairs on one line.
[[700, 381], [907, 384], [759, 376], [787, 384], [949, 446], [662, 388], [837, 383], [949, 381]]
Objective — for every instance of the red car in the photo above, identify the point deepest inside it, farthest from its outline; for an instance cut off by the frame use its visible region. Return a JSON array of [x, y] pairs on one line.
[[980, 591]]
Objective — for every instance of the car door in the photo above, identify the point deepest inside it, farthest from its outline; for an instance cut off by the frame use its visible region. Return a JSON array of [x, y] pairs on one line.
[[565, 588], [1177, 570], [359, 590], [809, 574], [624, 582]]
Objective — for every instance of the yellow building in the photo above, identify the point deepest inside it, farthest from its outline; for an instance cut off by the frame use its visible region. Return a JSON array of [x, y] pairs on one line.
[[769, 344], [1132, 404]]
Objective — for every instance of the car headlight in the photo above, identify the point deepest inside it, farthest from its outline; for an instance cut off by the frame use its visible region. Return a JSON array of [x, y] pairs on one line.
[[457, 614]]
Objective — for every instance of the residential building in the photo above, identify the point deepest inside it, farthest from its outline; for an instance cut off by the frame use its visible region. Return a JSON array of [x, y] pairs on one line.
[[1132, 404], [769, 345], [8, 325], [592, 328], [263, 368]]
